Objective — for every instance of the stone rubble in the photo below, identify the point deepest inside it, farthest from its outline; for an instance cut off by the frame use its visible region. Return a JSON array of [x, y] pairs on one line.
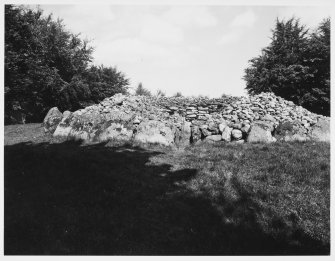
[[181, 120]]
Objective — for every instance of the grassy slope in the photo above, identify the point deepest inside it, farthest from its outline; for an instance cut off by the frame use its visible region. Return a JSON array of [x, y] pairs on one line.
[[66, 198]]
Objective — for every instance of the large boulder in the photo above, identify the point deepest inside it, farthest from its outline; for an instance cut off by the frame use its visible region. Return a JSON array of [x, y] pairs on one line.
[[261, 132], [124, 118], [291, 131], [321, 130], [63, 128], [52, 119], [80, 125], [296, 137], [213, 138], [90, 123], [116, 131], [153, 131]]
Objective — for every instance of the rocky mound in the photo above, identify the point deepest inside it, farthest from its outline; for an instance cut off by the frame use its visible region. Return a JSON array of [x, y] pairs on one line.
[[180, 121]]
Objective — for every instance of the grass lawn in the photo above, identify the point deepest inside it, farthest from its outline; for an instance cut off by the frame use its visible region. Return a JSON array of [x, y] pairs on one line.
[[64, 197]]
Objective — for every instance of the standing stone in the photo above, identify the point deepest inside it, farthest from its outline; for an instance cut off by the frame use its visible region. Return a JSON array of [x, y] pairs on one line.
[[226, 134], [52, 119], [261, 132], [185, 134], [152, 131]]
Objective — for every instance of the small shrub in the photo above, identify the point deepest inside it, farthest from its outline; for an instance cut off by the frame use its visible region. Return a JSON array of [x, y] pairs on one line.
[[178, 94]]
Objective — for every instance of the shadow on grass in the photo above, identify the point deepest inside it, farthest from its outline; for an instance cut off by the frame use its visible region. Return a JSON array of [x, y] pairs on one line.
[[65, 199]]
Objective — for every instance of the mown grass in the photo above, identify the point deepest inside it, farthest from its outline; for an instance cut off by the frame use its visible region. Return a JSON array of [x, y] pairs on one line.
[[67, 198]]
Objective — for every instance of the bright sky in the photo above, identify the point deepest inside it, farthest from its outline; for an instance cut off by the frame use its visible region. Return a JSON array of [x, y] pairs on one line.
[[192, 49]]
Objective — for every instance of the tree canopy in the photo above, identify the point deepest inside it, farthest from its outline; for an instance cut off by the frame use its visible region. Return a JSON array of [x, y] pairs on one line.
[[47, 65], [295, 65]]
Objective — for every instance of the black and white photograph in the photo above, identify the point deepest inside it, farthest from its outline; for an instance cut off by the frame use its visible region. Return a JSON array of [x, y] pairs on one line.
[[166, 128]]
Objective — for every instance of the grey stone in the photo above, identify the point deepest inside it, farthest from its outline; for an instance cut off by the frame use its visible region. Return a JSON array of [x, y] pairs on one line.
[[320, 131], [237, 126], [226, 134], [268, 117], [206, 132], [52, 119], [239, 141], [152, 131], [212, 126], [183, 137], [222, 126], [260, 132], [213, 138], [236, 134], [195, 134], [246, 128]]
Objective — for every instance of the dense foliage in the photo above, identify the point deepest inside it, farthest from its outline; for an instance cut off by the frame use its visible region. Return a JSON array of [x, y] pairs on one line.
[[46, 66], [295, 66]]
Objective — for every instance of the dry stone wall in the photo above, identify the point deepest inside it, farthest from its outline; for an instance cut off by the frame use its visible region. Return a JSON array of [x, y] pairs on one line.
[[180, 121]]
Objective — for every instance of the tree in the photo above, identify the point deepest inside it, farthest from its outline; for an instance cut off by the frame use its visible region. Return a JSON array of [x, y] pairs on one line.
[[294, 66], [318, 55], [47, 66], [140, 90], [105, 82], [177, 94], [40, 57]]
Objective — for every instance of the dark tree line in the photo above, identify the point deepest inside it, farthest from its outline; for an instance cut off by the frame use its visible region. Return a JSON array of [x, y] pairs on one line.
[[47, 66], [295, 66]]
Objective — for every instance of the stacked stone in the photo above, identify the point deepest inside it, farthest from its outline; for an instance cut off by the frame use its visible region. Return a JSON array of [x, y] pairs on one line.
[[237, 114], [224, 119], [241, 111], [191, 113]]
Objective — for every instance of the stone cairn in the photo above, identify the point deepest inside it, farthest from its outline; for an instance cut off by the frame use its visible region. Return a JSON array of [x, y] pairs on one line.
[[180, 120]]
